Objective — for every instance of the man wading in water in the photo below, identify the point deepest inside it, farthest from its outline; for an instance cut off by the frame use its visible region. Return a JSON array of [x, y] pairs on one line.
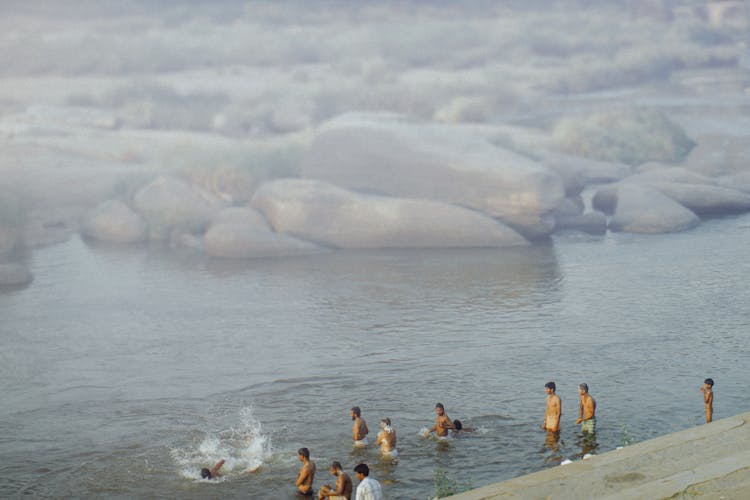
[[306, 473], [587, 410], [359, 429], [554, 409], [442, 423]]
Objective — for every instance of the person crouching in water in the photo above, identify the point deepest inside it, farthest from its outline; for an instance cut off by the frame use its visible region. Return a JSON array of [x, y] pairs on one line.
[[344, 486], [387, 439]]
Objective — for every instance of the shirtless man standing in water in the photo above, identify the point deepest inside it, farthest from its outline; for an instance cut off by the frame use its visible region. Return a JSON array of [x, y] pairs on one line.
[[359, 429], [586, 410], [554, 409], [306, 474], [442, 423]]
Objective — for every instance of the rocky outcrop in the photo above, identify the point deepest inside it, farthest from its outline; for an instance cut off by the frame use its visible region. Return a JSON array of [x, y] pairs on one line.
[[387, 154], [326, 214], [704, 199], [641, 209], [115, 222], [14, 274], [170, 204]]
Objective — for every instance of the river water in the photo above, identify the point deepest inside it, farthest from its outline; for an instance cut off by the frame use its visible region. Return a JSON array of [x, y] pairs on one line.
[[125, 370]]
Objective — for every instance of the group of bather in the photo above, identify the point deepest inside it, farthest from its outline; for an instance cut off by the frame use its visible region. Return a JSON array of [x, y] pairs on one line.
[[370, 489]]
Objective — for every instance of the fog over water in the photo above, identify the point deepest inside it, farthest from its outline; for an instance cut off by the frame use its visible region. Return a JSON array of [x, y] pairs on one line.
[[222, 225]]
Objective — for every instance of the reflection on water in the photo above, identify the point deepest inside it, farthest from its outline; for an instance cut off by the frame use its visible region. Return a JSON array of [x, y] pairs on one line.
[[126, 369]]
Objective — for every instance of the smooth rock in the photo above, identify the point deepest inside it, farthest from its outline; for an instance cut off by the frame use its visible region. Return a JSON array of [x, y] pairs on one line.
[[327, 214], [169, 204], [642, 209], [578, 172], [115, 222], [388, 154]]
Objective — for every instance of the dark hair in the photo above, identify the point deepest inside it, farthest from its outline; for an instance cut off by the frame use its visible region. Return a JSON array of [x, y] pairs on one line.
[[584, 387], [304, 452], [709, 381], [362, 469], [205, 473], [386, 421], [550, 385], [440, 405], [356, 410], [336, 465], [458, 425]]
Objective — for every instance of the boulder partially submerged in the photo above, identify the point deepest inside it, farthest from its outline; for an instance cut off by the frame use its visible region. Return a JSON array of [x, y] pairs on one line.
[[390, 155], [323, 213], [242, 233], [114, 221], [641, 209], [172, 204]]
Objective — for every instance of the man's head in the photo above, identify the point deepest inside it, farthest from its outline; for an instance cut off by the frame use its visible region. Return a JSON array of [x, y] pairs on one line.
[[583, 388], [709, 382], [335, 468], [549, 387], [439, 408], [303, 454], [457, 425], [362, 471], [386, 422], [205, 473], [355, 412]]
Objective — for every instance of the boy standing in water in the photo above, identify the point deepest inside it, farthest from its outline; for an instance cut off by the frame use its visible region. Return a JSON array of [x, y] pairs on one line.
[[554, 409], [708, 398]]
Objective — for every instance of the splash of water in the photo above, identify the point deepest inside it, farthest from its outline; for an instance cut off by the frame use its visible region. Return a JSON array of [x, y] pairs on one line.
[[243, 446]]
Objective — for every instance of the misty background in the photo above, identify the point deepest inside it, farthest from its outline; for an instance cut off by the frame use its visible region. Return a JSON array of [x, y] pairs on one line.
[[220, 222]]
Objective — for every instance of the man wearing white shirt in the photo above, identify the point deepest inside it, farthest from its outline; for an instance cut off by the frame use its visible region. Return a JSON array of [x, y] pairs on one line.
[[368, 489]]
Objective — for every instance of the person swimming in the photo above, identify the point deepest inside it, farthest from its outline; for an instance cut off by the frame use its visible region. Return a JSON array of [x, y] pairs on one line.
[[458, 427], [213, 472], [387, 439]]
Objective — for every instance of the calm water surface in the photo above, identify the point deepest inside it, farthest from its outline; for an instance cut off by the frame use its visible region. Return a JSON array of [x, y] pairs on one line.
[[124, 371]]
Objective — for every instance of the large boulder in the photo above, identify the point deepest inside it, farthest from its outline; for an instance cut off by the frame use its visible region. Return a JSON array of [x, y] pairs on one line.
[[241, 233], [390, 155], [172, 204], [605, 199], [323, 213], [642, 209], [115, 222], [14, 274], [627, 136]]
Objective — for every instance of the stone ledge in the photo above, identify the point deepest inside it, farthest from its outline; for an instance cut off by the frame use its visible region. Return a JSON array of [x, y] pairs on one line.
[[711, 459]]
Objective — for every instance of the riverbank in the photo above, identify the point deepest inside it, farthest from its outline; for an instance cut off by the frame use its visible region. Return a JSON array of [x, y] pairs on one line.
[[711, 461]]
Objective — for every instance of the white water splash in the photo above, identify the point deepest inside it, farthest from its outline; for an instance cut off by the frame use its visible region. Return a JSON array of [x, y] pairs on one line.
[[244, 448]]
